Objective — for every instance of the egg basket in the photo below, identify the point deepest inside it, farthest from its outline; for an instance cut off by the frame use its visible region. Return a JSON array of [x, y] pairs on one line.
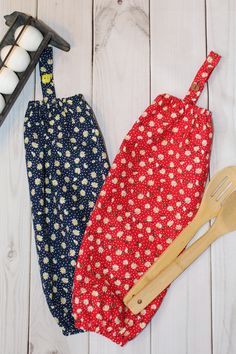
[[15, 20]]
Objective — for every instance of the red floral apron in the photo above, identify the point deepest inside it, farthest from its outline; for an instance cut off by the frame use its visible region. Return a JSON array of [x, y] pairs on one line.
[[152, 192]]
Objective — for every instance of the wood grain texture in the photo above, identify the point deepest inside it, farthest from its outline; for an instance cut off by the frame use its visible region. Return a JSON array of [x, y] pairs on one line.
[[221, 28], [120, 94], [118, 64], [178, 42], [14, 216], [121, 66]]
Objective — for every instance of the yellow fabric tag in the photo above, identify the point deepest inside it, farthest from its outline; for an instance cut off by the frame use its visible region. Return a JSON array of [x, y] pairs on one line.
[[46, 78]]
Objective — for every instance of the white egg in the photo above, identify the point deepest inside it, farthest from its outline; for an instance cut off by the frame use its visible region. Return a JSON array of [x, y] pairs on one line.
[[29, 39], [8, 81], [2, 103], [18, 59]]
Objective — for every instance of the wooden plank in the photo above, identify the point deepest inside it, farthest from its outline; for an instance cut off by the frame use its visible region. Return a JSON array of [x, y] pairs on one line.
[[183, 323], [73, 21], [120, 94], [221, 26], [121, 66], [14, 215]]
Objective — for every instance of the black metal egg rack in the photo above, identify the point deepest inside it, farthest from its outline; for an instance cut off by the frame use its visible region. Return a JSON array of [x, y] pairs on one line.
[[15, 20]]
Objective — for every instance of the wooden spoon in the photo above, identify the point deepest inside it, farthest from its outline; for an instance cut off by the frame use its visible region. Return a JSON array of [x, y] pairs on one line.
[[225, 222], [218, 189]]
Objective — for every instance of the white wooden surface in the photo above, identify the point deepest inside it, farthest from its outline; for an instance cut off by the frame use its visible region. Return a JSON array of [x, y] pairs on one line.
[[123, 54]]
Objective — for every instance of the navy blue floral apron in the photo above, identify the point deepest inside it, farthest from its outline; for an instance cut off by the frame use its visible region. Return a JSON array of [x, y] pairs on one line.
[[67, 164]]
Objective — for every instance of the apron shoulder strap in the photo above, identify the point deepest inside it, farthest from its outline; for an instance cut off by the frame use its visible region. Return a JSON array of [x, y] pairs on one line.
[[46, 74], [202, 77]]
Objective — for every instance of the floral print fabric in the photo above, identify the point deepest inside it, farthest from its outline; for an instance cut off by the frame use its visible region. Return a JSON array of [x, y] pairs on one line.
[[67, 165], [153, 191]]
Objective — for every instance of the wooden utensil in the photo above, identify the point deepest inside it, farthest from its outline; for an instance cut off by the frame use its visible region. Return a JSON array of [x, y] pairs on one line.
[[225, 222], [218, 189]]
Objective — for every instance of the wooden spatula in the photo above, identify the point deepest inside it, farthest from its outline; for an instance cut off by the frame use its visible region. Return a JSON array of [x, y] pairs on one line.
[[220, 186], [225, 222]]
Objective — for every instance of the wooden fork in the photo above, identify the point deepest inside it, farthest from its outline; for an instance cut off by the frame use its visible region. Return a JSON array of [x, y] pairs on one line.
[[225, 222], [218, 189]]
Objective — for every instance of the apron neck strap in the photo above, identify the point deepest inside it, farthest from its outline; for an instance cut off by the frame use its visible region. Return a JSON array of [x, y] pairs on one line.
[[202, 77], [46, 74]]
